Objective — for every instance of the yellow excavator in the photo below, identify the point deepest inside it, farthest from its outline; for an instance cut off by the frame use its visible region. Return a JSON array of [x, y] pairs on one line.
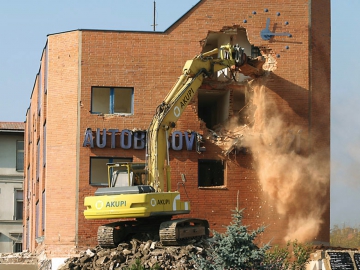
[[140, 193]]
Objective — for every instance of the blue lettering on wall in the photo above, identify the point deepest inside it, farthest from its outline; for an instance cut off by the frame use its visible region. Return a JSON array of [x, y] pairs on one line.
[[137, 139], [98, 144], [173, 140], [189, 141], [123, 144], [113, 132], [88, 138]]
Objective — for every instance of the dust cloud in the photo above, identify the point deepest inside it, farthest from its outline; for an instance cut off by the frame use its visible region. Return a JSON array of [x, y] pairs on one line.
[[293, 179]]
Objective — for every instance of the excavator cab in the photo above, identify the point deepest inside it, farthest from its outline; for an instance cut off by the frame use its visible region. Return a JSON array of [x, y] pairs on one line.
[[125, 174], [125, 178]]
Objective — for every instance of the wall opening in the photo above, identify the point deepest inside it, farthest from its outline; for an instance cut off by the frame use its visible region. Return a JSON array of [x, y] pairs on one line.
[[217, 100], [213, 106]]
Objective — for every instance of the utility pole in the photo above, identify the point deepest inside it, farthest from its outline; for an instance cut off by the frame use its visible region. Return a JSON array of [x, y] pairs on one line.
[[154, 25]]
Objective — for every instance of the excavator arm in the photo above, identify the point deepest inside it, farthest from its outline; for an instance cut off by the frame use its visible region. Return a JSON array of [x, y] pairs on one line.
[[169, 111]]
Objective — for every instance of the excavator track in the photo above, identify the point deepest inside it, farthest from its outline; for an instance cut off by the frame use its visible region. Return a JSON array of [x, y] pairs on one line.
[[109, 236], [112, 234], [172, 232], [180, 231]]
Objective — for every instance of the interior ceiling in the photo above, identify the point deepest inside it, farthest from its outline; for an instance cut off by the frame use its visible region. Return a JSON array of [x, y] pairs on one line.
[[212, 39], [210, 96]]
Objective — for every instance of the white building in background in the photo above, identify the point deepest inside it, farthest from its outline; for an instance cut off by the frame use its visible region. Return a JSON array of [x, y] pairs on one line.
[[11, 186]]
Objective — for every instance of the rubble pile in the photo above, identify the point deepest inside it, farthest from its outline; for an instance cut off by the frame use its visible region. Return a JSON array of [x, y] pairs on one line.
[[148, 254], [228, 139], [20, 257]]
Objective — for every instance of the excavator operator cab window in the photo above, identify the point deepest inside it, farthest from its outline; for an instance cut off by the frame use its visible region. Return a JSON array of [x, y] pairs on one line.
[[125, 174]]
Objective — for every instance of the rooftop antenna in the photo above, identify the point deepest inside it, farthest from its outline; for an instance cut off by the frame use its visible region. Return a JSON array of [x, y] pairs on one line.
[[154, 25]]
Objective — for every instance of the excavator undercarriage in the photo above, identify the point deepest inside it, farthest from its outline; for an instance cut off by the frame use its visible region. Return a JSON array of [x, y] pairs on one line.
[[170, 232]]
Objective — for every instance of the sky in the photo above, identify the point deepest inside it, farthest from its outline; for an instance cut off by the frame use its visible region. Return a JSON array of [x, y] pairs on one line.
[[25, 25]]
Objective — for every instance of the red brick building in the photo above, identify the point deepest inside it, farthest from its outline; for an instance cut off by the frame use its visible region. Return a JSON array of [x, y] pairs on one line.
[[112, 81]]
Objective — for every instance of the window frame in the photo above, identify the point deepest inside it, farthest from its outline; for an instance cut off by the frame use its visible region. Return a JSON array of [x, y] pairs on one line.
[[20, 152], [39, 101], [108, 160], [17, 242], [16, 202], [212, 166], [113, 91], [43, 211], [38, 160], [37, 217], [44, 145]]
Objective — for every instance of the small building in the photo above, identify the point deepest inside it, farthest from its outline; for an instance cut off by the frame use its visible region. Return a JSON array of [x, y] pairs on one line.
[[262, 144], [11, 186]]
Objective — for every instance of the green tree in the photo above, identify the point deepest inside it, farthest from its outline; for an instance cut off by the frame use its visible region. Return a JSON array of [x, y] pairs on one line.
[[234, 249]]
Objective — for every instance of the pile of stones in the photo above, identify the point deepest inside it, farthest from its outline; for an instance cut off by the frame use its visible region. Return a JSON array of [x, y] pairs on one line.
[[146, 254], [20, 257]]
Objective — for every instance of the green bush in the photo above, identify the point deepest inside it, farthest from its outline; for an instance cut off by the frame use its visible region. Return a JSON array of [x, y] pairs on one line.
[[234, 249], [294, 256]]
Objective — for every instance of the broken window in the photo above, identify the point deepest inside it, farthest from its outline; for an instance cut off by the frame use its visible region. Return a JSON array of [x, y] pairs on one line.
[[112, 100], [99, 169], [210, 172]]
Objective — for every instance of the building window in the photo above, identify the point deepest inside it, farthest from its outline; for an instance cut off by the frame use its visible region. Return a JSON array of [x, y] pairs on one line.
[[46, 69], [27, 233], [29, 126], [43, 211], [37, 220], [39, 91], [38, 160], [17, 241], [99, 169], [112, 100], [28, 183], [20, 156], [44, 146], [17, 247], [18, 204], [210, 173]]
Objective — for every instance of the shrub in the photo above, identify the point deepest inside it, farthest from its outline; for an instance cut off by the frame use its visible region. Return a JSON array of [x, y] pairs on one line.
[[234, 249]]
